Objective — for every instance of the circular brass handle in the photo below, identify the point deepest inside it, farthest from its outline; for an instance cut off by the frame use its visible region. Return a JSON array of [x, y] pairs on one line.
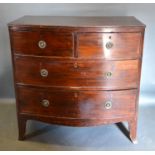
[[45, 103], [42, 44], [44, 72], [108, 105], [108, 74], [109, 45]]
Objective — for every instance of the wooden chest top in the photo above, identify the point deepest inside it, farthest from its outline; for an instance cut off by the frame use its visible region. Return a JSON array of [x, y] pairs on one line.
[[104, 21]]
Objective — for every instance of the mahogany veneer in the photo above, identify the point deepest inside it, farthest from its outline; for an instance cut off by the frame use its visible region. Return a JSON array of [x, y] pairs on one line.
[[77, 71]]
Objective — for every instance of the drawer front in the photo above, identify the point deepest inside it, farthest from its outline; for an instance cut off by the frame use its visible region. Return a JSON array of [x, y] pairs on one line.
[[42, 43], [109, 45], [104, 74], [83, 104]]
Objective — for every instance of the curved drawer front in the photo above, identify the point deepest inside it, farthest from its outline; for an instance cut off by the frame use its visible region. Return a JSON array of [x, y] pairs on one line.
[[83, 104], [109, 45], [45, 43], [103, 74]]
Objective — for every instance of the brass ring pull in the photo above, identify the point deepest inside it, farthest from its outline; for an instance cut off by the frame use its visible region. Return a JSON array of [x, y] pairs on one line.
[[108, 105], [45, 103], [109, 45], [44, 72], [42, 44], [108, 74]]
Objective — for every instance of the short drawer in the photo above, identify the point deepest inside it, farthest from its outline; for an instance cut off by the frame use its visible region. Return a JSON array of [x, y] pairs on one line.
[[82, 104], [101, 74], [44, 43], [109, 45]]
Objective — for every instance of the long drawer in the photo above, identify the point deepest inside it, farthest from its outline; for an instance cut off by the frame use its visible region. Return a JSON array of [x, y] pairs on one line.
[[104, 74], [82, 104]]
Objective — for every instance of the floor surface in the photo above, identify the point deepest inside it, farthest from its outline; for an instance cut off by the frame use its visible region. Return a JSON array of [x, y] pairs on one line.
[[52, 137]]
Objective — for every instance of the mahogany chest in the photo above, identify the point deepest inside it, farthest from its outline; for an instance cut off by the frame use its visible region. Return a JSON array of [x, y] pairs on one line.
[[77, 71]]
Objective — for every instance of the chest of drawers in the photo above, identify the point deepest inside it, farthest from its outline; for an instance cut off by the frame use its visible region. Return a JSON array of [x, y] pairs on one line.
[[77, 71]]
